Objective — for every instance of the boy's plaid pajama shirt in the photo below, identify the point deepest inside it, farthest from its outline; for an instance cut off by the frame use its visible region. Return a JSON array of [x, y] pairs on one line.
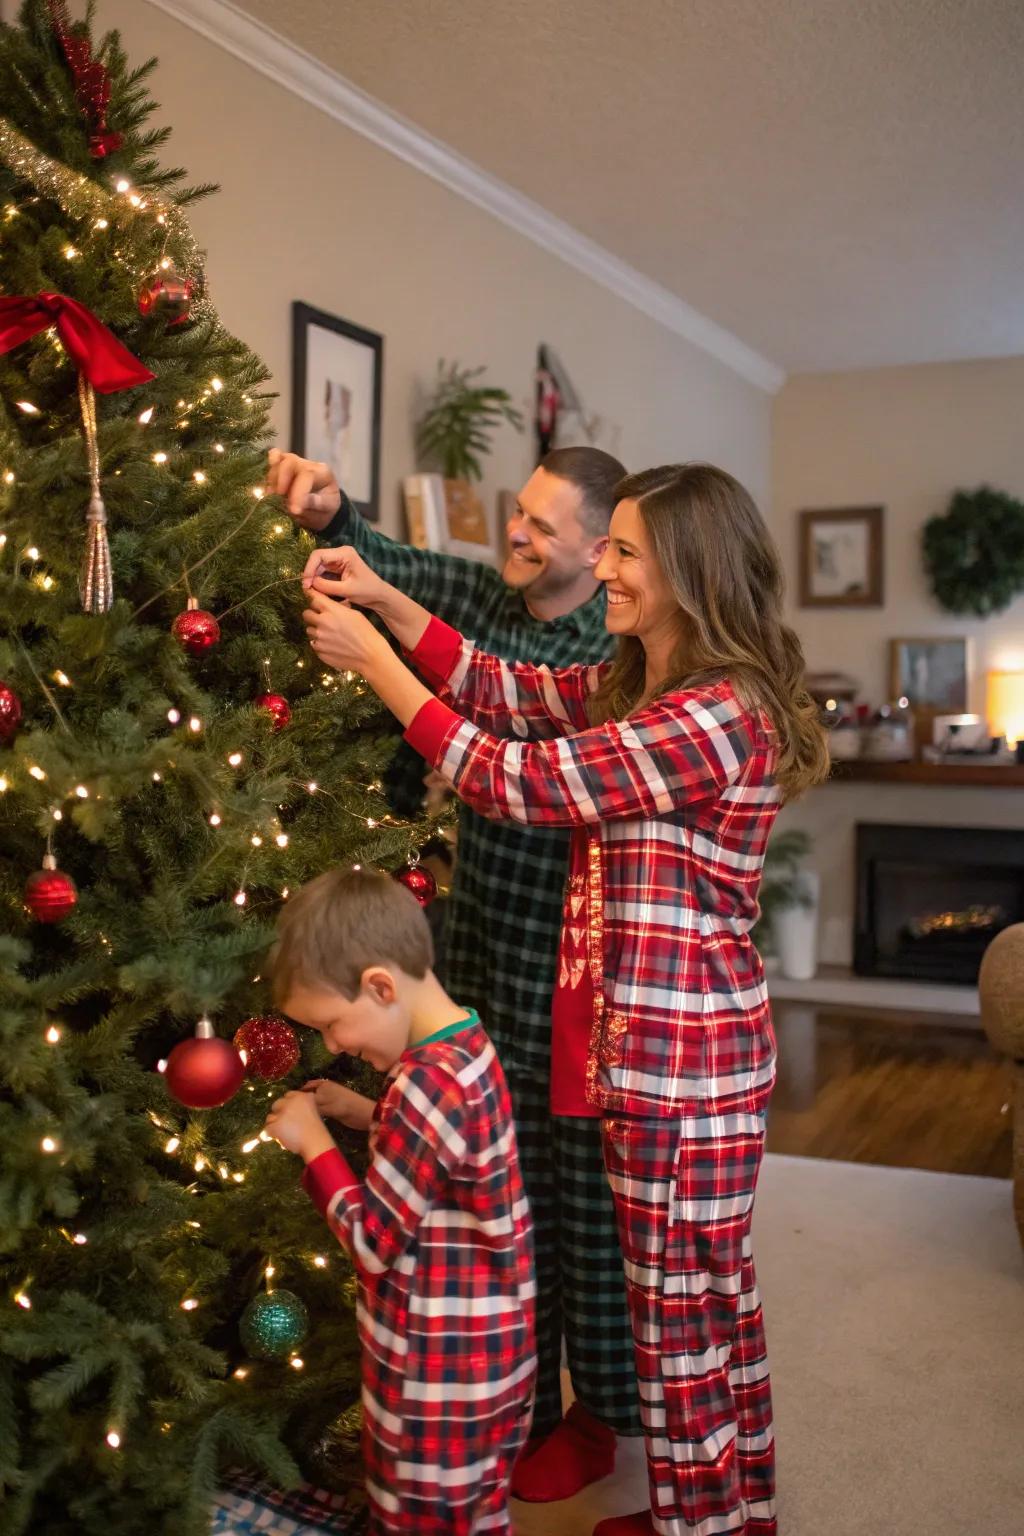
[[439, 1232], [503, 922], [671, 811]]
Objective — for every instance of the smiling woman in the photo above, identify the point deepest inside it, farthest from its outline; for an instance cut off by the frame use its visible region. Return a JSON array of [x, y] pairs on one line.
[[669, 765]]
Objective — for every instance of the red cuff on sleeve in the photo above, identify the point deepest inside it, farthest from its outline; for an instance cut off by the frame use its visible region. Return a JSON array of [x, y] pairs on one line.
[[438, 650], [325, 1176], [429, 729]]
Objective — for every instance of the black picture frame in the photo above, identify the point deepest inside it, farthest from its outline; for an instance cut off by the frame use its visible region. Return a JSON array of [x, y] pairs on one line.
[[351, 442]]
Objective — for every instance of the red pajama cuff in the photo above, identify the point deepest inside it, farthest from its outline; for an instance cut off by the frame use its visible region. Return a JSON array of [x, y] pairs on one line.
[[326, 1176], [431, 728], [437, 652]]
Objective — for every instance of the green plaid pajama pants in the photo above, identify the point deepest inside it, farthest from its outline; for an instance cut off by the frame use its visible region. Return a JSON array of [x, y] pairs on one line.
[[581, 1287]]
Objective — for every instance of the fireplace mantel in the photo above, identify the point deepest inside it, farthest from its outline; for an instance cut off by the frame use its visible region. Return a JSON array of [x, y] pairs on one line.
[[1005, 776]]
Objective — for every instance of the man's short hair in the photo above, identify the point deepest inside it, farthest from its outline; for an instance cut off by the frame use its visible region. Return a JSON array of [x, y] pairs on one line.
[[595, 474], [338, 925]]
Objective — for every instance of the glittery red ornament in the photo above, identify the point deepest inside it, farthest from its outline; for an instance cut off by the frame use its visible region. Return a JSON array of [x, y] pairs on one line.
[[420, 881], [270, 1047], [196, 629], [50, 894], [205, 1071], [10, 713], [277, 706], [167, 295]]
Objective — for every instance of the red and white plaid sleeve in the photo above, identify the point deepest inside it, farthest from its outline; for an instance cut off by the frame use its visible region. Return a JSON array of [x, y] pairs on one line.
[[500, 696], [683, 750], [419, 1142]]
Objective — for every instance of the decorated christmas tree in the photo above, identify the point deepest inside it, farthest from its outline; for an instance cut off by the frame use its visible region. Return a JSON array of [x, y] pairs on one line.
[[172, 760]]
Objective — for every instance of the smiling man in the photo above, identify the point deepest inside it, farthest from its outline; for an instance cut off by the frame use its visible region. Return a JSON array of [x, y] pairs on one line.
[[504, 920]]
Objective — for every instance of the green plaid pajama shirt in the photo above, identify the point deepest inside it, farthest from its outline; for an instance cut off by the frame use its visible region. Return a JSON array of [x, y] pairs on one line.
[[504, 921]]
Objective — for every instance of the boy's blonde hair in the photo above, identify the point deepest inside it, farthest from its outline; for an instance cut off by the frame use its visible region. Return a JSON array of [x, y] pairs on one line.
[[341, 923]]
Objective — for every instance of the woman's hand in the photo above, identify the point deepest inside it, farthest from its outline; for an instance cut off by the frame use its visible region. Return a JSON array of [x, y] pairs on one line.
[[337, 1102], [294, 1121], [344, 573], [341, 637]]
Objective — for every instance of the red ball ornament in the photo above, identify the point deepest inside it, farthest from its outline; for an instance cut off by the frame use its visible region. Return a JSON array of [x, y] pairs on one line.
[[420, 881], [195, 629], [167, 295], [277, 707], [10, 714], [50, 894], [269, 1045], [205, 1071]]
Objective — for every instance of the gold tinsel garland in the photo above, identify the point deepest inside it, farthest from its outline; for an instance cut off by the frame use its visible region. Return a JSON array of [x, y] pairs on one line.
[[82, 198]]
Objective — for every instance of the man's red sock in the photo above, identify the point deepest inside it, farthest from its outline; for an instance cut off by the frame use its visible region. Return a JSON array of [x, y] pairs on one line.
[[579, 1451]]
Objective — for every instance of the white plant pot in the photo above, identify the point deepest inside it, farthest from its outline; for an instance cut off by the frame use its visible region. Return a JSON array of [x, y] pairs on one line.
[[795, 930]]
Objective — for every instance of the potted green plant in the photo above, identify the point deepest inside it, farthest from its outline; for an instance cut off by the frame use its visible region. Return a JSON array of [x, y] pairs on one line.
[[787, 927], [453, 436]]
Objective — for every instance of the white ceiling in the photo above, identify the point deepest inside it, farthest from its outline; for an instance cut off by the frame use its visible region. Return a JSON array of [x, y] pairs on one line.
[[840, 183]]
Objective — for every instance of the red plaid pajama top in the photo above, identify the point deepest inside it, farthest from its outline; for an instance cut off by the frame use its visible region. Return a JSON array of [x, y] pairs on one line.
[[440, 1235], [672, 809]]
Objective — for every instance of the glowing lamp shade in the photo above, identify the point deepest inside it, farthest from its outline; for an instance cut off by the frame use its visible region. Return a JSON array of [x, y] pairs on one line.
[[1006, 705]]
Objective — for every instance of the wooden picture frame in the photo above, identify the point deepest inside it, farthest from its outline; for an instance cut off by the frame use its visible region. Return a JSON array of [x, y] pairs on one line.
[[841, 561], [933, 673], [337, 389]]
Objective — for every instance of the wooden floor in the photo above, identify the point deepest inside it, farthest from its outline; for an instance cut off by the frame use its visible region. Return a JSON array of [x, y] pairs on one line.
[[907, 1092]]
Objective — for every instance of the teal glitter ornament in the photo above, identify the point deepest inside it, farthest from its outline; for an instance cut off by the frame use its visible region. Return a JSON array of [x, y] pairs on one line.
[[273, 1325]]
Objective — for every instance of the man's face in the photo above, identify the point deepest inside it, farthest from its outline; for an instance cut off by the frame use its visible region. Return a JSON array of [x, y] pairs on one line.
[[372, 1026], [549, 549]]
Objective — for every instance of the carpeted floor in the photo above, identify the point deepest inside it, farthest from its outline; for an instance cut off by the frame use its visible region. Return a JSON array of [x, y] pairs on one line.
[[894, 1305]]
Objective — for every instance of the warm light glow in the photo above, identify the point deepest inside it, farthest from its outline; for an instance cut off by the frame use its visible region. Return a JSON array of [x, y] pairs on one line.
[[189, 1305], [195, 724], [135, 200], [174, 715], [37, 772], [8, 476], [113, 1439], [1005, 705], [199, 477], [296, 1363], [157, 779], [22, 1300], [146, 416], [239, 1178], [258, 492], [235, 759], [240, 898], [269, 1271], [215, 820], [123, 186], [48, 1144], [173, 1144], [240, 1374], [4, 785], [281, 839], [217, 385], [250, 1146], [256, 840], [312, 786], [161, 1065], [57, 815], [284, 893], [199, 1164], [62, 678], [320, 1261], [53, 1034], [279, 527], [32, 552], [81, 792], [218, 447], [46, 583], [70, 252], [160, 458], [79, 1239], [27, 407]]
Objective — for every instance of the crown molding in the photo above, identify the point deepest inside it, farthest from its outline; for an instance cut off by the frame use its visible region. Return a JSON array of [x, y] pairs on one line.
[[289, 67]]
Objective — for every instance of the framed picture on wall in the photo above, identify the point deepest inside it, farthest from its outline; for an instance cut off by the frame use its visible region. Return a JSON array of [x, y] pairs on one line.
[[337, 376], [933, 675], [841, 558]]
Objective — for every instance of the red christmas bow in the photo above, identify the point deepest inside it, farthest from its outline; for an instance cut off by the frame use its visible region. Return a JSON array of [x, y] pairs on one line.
[[96, 352], [92, 82]]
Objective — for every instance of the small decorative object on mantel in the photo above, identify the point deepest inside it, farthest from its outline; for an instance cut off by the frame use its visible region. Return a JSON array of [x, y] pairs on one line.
[[841, 558], [974, 552], [890, 737], [1005, 706]]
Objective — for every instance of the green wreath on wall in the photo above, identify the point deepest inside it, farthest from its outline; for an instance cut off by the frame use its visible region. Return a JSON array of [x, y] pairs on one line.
[[974, 552]]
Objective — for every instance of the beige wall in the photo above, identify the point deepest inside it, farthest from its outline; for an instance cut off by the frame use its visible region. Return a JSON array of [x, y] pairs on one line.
[[905, 438], [311, 211]]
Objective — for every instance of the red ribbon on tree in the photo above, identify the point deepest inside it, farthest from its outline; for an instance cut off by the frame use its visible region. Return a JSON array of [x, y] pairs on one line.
[[96, 352], [92, 81]]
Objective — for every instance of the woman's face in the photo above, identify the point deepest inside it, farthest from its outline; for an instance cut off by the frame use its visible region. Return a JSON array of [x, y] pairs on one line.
[[640, 600]]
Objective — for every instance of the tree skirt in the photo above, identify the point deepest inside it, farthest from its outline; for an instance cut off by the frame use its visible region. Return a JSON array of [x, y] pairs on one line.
[[248, 1507]]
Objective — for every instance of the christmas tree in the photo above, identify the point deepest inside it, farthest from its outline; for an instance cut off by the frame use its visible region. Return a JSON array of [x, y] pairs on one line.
[[173, 752]]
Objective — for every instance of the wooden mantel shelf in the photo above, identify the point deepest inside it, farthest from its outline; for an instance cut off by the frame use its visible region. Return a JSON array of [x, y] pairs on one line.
[[1008, 776]]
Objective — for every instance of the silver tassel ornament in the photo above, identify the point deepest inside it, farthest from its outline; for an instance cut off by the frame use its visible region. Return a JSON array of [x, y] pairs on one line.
[[96, 579]]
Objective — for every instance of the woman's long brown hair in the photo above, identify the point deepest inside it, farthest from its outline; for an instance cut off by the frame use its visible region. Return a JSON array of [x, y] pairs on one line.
[[716, 553]]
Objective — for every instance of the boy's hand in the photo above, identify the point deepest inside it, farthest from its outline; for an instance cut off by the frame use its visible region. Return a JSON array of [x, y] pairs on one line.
[[311, 494], [340, 1103], [294, 1121]]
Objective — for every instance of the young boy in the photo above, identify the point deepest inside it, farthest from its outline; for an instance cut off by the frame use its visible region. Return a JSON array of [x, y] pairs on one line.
[[439, 1232]]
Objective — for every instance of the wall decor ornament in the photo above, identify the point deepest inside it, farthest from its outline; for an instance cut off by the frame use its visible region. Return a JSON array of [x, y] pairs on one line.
[[337, 382], [974, 552]]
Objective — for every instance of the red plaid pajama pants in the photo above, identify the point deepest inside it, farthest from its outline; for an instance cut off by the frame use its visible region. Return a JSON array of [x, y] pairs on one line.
[[684, 1196]]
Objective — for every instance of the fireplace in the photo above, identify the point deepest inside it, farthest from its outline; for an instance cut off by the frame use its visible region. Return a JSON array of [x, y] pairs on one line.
[[930, 899]]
